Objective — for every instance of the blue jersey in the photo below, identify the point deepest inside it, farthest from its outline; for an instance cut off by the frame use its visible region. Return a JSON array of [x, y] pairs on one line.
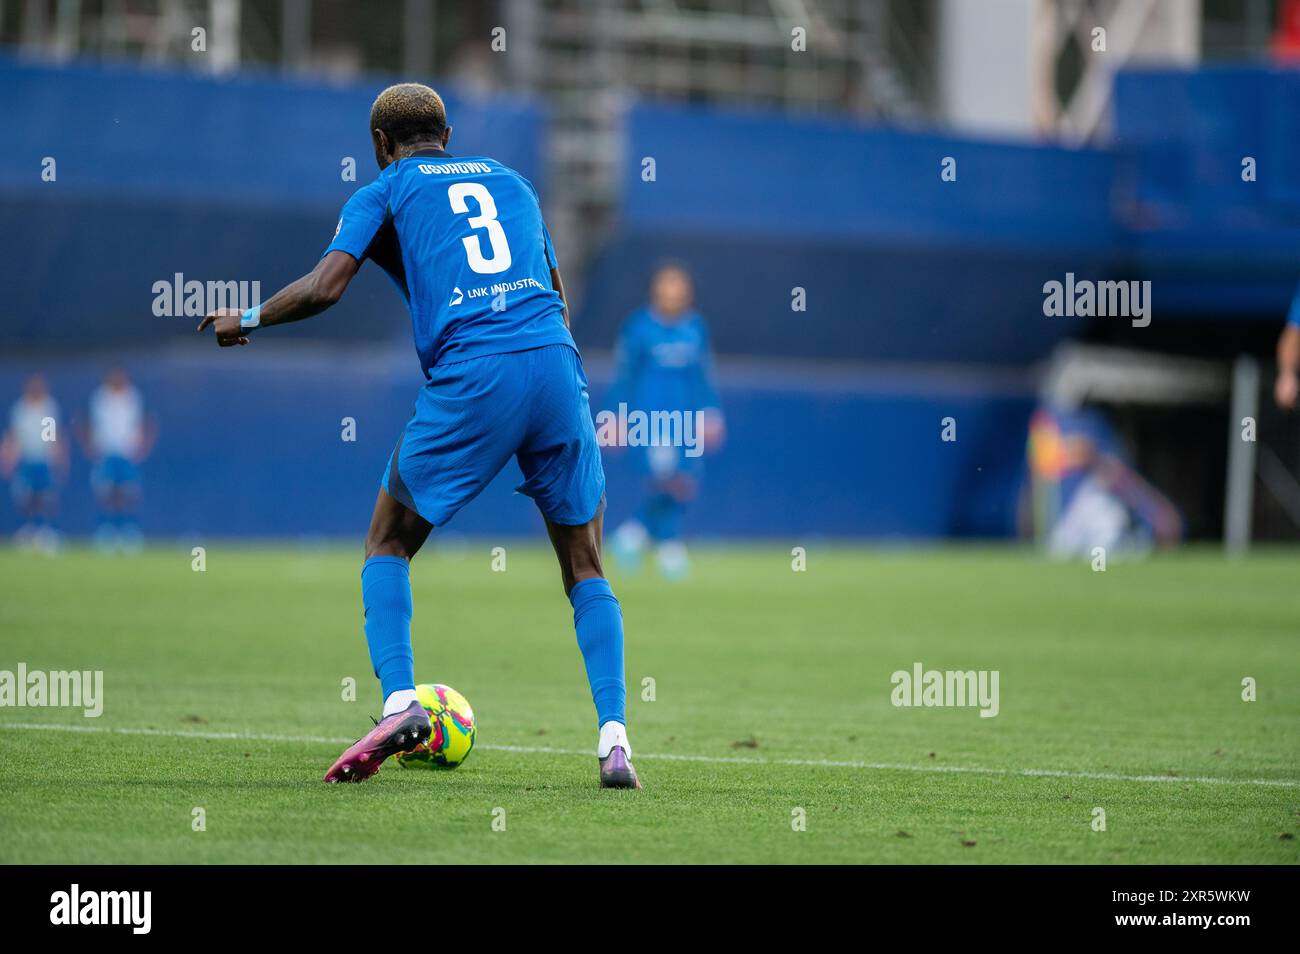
[[464, 241], [1293, 315], [664, 365]]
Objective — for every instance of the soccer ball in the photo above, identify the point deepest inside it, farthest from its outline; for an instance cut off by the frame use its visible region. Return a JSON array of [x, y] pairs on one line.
[[453, 729]]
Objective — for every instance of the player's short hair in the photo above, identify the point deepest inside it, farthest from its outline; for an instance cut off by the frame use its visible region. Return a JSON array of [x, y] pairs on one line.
[[409, 112]]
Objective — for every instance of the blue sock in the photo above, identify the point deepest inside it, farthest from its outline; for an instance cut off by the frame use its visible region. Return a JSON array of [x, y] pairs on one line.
[[386, 594], [599, 621]]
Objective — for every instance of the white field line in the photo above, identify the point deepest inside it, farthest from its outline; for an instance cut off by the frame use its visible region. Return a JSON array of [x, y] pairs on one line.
[[667, 757]]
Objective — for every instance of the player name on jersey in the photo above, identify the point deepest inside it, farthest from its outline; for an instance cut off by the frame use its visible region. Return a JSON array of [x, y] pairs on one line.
[[453, 168]]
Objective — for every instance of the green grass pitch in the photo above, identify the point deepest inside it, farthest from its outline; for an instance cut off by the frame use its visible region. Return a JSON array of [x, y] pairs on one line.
[[1119, 690]]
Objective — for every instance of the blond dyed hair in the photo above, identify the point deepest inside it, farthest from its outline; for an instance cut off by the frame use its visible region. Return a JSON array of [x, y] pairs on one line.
[[409, 112]]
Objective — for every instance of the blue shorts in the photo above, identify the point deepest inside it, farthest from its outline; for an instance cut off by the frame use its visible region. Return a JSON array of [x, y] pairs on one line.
[[32, 477], [114, 472], [473, 416]]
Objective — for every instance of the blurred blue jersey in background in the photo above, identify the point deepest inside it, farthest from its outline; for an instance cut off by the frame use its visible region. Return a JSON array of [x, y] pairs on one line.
[[664, 365]]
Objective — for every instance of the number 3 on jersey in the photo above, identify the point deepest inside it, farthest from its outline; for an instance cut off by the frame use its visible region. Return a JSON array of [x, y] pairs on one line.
[[486, 219]]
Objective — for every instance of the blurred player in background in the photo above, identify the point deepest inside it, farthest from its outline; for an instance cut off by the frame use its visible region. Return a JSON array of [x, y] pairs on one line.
[[1287, 387], [119, 439], [665, 363], [1085, 494], [35, 461]]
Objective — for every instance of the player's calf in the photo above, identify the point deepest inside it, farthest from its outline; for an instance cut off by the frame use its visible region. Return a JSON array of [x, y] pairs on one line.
[[598, 622]]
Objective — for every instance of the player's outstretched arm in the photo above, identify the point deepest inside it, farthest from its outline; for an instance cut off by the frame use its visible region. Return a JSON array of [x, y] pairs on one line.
[[310, 295]]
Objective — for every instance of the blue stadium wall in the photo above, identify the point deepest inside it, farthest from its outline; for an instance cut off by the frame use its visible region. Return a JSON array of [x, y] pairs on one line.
[[923, 296], [241, 179], [897, 263], [1213, 242], [252, 445]]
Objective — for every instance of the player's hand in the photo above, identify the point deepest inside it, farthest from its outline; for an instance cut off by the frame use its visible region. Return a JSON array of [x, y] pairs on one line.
[[225, 322], [713, 430], [1286, 390]]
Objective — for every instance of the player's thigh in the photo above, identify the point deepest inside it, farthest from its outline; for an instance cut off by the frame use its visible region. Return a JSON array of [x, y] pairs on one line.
[[559, 457], [466, 427], [578, 549]]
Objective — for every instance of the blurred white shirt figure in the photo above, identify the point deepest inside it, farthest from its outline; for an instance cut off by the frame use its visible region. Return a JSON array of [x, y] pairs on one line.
[[29, 456], [30, 421], [118, 441], [117, 421]]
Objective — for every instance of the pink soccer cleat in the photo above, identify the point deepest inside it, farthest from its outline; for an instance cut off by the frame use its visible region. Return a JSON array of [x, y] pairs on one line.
[[399, 732]]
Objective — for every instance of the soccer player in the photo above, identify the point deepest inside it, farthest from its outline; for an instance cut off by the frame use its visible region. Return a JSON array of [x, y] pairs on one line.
[[1287, 387], [34, 459], [119, 440], [1084, 493], [464, 241], [664, 364]]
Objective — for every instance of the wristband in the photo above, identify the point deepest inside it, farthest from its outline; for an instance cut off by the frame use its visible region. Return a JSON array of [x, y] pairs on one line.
[[251, 319]]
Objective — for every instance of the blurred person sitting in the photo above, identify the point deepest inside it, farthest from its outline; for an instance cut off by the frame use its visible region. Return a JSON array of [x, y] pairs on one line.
[[118, 441], [1086, 495], [35, 461], [664, 364]]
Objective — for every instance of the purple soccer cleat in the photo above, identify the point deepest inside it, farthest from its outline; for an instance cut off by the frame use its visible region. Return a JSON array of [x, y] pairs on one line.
[[616, 770], [399, 732]]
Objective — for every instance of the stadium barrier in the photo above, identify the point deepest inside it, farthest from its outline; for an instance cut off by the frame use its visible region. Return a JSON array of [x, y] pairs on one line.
[[253, 443]]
